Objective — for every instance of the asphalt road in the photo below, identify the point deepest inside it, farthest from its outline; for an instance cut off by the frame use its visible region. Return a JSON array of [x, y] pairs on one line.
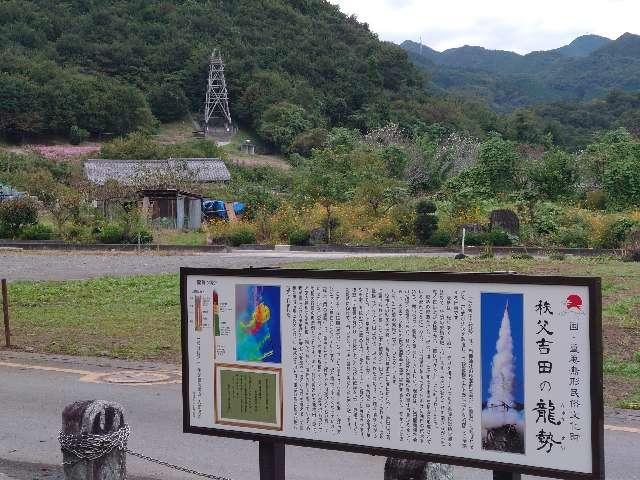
[[34, 389], [51, 265]]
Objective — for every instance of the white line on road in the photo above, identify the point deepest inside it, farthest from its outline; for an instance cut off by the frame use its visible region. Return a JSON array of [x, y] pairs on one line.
[[616, 428], [123, 377]]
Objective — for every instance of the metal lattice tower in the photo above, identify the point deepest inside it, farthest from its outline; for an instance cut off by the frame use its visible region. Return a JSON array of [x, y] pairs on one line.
[[217, 98]]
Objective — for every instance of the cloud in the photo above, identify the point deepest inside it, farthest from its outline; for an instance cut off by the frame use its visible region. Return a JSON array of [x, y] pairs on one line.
[[498, 24]]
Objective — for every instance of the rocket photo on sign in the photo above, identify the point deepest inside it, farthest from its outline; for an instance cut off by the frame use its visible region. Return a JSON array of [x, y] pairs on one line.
[[503, 419]]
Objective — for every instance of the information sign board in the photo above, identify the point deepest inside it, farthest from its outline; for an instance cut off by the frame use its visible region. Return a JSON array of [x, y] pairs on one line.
[[497, 371]]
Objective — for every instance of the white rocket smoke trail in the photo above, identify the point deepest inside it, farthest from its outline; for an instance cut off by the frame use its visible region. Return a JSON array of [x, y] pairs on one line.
[[502, 367], [500, 409]]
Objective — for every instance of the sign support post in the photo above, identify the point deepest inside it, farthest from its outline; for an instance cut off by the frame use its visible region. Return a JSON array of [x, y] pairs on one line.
[[497, 475], [271, 458], [5, 314]]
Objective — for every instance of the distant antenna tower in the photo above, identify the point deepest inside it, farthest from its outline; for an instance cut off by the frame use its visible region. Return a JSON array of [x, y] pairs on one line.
[[420, 44], [216, 104]]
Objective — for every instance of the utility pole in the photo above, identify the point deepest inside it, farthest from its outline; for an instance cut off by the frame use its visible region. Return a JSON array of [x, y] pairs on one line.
[[216, 104]]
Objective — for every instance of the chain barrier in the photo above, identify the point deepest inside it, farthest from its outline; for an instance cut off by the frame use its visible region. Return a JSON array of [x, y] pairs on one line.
[[91, 447], [175, 467]]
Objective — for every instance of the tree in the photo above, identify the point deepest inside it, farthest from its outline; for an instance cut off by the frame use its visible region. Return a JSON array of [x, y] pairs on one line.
[[307, 141], [282, 123], [168, 102], [621, 178], [498, 159], [373, 184], [328, 179], [607, 148], [440, 158], [555, 175], [16, 214], [20, 111], [395, 161], [426, 220]]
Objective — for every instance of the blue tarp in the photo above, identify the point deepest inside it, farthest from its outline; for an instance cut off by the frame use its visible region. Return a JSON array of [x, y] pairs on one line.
[[7, 192], [216, 208]]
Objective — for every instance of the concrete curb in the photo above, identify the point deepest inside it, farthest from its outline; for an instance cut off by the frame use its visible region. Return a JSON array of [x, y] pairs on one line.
[[48, 245], [471, 250]]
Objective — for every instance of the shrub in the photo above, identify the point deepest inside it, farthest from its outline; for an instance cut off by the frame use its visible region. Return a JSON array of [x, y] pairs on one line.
[[75, 233], [140, 146], [499, 238], [111, 234], [475, 238], [77, 135], [521, 256], [37, 231], [596, 200], [632, 240], [632, 256], [426, 220], [440, 238], [547, 218], [575, 236], [616, 233], [557, 256], [386, 231], [141, 233], [487, 252], [16, 214], [241, 234], [298, 236]]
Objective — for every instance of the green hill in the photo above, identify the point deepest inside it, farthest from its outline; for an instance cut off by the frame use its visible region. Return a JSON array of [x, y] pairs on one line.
[[587, 68], [112, 66]]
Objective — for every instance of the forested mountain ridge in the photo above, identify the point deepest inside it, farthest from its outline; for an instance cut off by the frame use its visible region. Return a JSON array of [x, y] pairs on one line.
[[587, 68], [106, 66]]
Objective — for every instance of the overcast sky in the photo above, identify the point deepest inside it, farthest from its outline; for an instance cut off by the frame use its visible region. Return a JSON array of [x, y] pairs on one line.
[[516, 25]]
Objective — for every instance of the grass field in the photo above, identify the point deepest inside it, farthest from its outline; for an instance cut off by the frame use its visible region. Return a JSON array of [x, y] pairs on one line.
[[132, 318], [138, 317], [179, 237]]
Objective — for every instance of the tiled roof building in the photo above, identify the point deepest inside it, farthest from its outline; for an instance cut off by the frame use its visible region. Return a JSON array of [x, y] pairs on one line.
[[202, 170]]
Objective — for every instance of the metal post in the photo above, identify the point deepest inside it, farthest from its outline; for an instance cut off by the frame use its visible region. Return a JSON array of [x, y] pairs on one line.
[[271, 457], [506, 475], [464, 234], [5, 313]]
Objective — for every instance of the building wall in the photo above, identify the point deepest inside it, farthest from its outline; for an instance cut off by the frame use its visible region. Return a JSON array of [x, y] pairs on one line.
[[195, 213], [180, 212]]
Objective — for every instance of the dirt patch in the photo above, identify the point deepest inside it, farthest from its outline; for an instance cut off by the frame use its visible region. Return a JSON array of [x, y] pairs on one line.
[[617, 389], [260, 161], [620, 342]]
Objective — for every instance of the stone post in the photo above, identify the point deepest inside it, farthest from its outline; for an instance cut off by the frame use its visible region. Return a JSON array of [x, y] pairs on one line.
[[401, 469], [94, 417]]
